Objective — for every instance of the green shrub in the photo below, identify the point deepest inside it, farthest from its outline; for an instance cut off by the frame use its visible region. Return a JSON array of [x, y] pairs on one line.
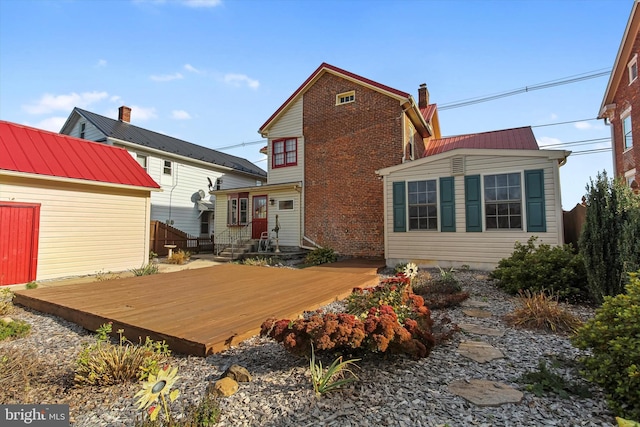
[[613, 336], [31, 285], [610, 239], [320, 256], [106, 364], [13, 329], [145, 270], [441, 291], [556, 270], [545, 381]]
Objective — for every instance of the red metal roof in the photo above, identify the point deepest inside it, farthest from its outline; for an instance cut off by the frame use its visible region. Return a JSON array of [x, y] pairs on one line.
[[507, 139], [29, 150], [324, 66], [427, 112]]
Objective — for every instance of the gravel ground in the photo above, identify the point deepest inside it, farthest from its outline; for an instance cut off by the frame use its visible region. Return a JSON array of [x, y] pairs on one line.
[[392, 391]]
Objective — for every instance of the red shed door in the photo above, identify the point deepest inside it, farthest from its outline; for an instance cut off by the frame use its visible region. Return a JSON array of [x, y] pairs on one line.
[[259, 220], [19, 229]]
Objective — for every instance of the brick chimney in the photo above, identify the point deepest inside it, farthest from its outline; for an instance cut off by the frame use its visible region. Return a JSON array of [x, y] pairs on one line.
[[124, 114], [423, 96]]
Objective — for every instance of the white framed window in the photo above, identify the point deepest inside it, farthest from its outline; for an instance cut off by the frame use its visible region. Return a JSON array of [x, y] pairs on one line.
[[142, 160], [237, 209], [83, 128], [633, 68], [630, 176], [410, 142], [627, 133], [423, 205], [346, 97], [285, 205], [503, 201], [167, 167]]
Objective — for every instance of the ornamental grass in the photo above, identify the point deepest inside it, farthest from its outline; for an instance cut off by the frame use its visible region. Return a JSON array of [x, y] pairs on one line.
[[542, 312]]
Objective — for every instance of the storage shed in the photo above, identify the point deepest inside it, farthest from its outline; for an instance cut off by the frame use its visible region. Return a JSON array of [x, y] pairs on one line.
[[69, 207]]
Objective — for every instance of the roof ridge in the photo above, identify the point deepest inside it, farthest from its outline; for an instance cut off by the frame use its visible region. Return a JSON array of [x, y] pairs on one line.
[[485, 132]]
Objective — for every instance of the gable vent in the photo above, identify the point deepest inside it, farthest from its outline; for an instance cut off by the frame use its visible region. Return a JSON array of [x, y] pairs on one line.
[[457, 165]]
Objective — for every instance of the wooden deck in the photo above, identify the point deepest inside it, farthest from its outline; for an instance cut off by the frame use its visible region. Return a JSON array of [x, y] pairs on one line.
[[201, 311]]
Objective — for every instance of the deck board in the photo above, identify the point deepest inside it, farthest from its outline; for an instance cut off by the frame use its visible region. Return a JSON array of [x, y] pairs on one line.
[[201, 311]]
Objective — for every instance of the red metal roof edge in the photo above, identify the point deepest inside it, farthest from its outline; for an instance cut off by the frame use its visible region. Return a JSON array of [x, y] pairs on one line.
[[96, 147], [326, 66]]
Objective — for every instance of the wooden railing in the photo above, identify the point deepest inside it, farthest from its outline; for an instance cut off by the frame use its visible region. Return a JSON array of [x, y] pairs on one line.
[[163, 234]]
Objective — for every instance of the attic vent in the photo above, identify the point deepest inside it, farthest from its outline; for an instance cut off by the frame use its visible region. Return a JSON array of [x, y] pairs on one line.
[[457, 165]]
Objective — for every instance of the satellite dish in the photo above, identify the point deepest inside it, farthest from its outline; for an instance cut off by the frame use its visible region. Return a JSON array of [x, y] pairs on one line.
[[202, 194]]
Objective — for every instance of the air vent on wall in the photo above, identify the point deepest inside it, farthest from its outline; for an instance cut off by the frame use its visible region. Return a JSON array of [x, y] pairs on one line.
[[457, 165]]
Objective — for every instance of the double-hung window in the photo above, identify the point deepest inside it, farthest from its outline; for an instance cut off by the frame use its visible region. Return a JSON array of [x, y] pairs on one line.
[[285, 152], [503, 201], [238, 209], [632, 66], [423, 205], [626, 131]]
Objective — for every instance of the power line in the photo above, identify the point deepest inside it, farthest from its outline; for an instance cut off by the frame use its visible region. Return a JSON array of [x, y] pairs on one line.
[[242, 144], [563, 123], [539, 86], [581, 142], [594, 151]]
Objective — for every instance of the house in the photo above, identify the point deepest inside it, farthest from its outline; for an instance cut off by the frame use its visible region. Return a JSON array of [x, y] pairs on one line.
[[362, 168], [620, 106], [69, 206], [325, 143], [185, 171], [471, 198]]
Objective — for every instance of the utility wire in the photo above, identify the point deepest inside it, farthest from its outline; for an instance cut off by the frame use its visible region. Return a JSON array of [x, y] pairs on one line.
[[539, 86], [563, 123], [581, 142], [594, 151], [242, 144]]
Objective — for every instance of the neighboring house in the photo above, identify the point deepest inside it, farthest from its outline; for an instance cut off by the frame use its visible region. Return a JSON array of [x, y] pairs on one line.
[[471, 198], [324, 145], [186, 172], [361, 167], [620, 106], [69, 207]]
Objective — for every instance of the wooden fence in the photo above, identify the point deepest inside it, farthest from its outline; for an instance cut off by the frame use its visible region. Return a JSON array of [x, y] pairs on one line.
[[573, 222], [163, 234]]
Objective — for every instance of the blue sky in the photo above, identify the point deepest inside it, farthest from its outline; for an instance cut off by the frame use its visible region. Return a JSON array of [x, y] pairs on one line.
[[212, 72]]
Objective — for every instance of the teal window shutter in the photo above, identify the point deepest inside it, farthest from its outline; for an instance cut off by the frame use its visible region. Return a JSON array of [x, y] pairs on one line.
[[399, 207], [447, 204], [473, 202], [534, 193]]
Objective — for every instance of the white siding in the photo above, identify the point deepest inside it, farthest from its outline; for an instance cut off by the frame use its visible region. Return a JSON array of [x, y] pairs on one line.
[[289, 220], [476, 249], [84, 229], [178, 199], [289, 125], [91, 133]]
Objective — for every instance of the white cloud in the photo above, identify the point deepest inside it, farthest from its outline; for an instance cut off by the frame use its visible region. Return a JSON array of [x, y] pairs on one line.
[[115, 98], [142, 114], [53, 124], [554, 116], [166, 77], [180, 115], [547, 141], [583, 125], [201, 3], [50, 103], [240, 79], [101, 63], [191, 68]]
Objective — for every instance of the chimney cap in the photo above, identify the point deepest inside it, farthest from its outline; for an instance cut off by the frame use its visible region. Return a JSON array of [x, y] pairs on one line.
[[423, 85]]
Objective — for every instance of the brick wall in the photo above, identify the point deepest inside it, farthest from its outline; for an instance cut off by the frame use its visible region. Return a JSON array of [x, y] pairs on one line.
[[628, 95], [344, 146]]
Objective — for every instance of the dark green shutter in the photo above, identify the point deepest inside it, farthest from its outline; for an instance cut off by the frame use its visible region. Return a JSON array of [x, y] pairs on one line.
[[399, 207], [447, 204], [473, 203], [534, 193]]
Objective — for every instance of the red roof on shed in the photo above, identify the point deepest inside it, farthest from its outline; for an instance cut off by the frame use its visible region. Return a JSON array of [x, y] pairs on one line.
[[29, 150], [507, 139]]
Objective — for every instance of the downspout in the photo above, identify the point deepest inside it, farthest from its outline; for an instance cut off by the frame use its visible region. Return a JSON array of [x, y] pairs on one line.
[[171, 194]]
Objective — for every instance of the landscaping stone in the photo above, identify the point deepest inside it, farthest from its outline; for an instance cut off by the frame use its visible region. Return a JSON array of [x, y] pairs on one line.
[[7, 319], [475, 303], [238, 373], [472, 328], [479, 351], [225, 387], [475, 312], [485, 393]]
